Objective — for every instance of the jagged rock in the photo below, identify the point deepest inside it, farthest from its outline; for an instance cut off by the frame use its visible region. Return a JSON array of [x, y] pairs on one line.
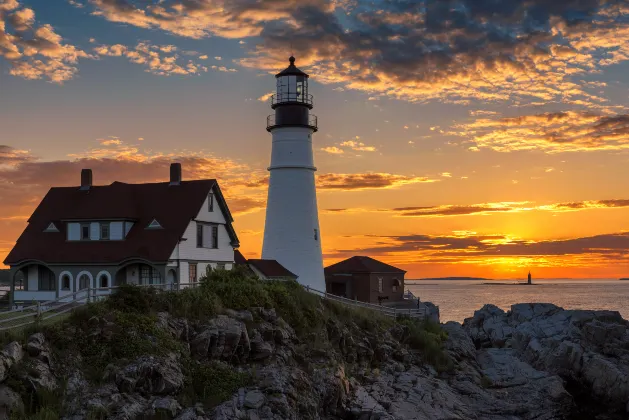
[[222, 338], [38, 376], [260, 349], [165, 407], [36, 347], [12, 353], [245, 316], [590, 348], [178, 328], [151, 375], [10, 402]]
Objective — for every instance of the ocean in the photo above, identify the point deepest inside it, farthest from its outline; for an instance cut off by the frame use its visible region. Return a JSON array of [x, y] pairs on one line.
[[458, 299]]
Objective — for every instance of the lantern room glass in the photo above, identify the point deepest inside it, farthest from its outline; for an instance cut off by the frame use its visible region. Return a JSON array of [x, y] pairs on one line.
[[292, 88]]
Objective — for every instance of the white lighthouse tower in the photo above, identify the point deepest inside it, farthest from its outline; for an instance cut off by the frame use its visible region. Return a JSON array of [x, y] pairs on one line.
[[291, 231]]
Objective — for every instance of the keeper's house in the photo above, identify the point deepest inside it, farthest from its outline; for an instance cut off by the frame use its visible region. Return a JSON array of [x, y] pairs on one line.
[[102, 236]]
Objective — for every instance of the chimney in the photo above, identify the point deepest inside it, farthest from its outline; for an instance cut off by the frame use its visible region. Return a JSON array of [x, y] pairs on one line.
[[86, 179], [175, 173]]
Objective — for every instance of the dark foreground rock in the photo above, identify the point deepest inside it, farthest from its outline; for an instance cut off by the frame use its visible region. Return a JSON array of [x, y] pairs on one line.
[[536, 362], [589, 350]]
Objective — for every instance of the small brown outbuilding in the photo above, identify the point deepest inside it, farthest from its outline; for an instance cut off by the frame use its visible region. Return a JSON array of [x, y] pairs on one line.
[[365, 279]]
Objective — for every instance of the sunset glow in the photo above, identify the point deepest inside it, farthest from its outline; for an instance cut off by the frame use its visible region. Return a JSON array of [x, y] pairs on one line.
[[487, 139]]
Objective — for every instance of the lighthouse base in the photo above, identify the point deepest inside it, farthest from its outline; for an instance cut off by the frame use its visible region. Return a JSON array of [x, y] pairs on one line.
[[291, 232]]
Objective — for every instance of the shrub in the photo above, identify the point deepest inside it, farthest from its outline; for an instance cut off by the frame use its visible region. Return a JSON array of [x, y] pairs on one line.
[[235, 289], [212, 382], [427, 337]]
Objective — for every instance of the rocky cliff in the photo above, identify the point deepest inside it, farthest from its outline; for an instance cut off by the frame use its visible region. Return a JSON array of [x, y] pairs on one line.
[[216, 353]]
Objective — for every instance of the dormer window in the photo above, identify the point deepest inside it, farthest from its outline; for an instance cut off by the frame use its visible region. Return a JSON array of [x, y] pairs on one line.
[[210, 202], [154, 225], [51, 228], [85, 231], [104, 231]]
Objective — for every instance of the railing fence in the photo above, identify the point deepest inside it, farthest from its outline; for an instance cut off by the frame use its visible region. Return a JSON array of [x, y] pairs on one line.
[[44, 311]]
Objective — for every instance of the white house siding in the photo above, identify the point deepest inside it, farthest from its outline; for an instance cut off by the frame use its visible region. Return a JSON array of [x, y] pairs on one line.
[[215, 216], [115, 231], [187, 250], [74, 231], [133, 274], [33, 277], [94, 231]]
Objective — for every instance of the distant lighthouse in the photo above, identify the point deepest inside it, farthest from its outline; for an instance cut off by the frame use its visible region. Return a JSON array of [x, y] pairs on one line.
[[291, 230], [529, 278]]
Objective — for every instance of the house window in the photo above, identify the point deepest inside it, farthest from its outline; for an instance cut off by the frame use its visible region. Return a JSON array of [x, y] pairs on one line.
[[85, 231], [199, 235], [84, 282], [65, 282], [103, 280], [193, 273], [46, 279], [145, 274], [379, 284], [220, 266], [396, 283], [214, 236], [210, 202], [104, 230]]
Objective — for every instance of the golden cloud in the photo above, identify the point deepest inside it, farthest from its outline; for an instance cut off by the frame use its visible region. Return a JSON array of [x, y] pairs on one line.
[[35, 52], [551, 132]]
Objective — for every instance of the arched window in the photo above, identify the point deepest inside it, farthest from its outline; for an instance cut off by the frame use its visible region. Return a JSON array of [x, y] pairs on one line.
[[84, 282], [396, 284], [65, 282], [103, 281]]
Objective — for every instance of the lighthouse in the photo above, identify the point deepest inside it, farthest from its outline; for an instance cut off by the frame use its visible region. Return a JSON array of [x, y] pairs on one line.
[[291, 229]]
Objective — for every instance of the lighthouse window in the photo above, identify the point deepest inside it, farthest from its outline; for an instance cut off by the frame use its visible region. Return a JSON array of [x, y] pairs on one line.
[[316, 235]]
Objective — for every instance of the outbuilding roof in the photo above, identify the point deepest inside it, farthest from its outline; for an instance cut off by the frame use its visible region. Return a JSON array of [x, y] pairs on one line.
[[361, 264], [172, 206], [271, 268]]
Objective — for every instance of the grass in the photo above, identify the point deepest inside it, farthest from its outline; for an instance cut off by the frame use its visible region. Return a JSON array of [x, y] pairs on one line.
[[427, 338]]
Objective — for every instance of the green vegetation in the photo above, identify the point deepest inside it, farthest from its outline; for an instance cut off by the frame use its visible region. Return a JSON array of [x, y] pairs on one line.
[[125, 326], [427, 338], [211, 383]]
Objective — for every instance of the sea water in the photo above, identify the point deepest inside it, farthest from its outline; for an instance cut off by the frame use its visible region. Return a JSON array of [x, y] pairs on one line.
[[458, 299]]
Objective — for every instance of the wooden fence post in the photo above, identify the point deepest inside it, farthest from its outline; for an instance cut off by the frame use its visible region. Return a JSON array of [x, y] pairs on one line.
[[38, 309]]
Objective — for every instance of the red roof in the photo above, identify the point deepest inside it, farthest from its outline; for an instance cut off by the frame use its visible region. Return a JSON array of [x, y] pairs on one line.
[[360, 264], [239, 258], [172, 206], [271, 268]]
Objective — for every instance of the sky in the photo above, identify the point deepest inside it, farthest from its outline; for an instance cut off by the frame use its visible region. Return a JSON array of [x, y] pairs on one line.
[[456, 137]]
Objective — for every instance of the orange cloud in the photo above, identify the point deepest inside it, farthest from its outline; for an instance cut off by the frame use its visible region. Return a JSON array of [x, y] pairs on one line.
[[488, 208], [551, 132], [366, 181]]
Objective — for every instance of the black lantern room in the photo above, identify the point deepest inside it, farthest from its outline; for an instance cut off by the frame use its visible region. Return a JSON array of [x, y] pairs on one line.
[[292, 102]]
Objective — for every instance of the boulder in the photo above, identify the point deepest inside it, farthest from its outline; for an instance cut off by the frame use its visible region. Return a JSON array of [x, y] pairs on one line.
[[151, 375], [222, 338], [254, 399]]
